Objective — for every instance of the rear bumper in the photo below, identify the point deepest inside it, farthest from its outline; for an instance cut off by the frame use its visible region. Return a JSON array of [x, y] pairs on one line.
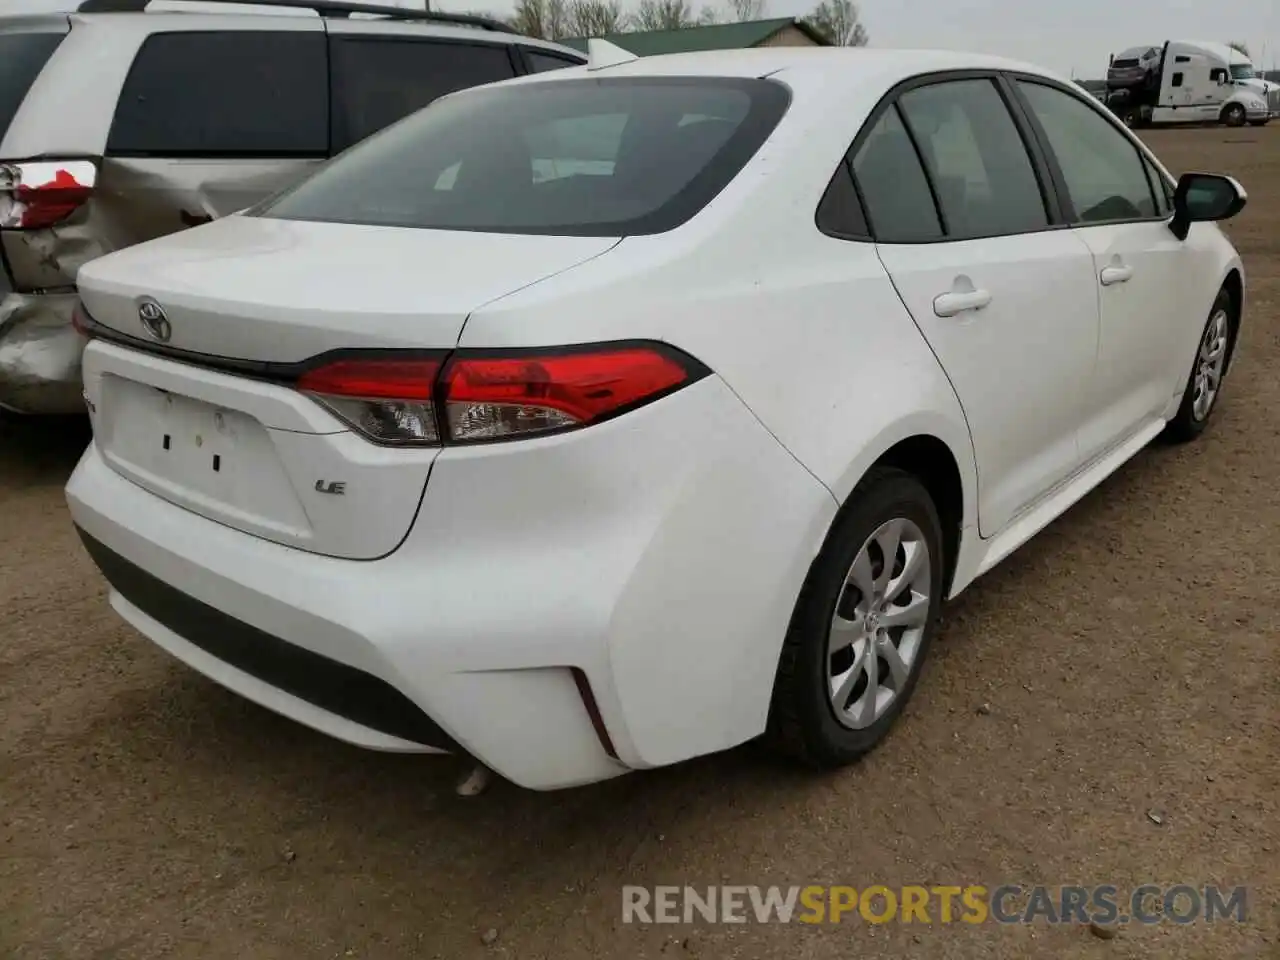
[[40, 354], [327, 685], [658, 556]]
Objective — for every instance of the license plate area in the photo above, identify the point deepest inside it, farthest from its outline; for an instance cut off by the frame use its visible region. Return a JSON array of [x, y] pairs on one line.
[[214, 460]]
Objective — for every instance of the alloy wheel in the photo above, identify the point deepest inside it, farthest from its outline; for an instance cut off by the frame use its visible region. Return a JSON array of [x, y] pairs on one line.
[[879, 623], [1211, 360]]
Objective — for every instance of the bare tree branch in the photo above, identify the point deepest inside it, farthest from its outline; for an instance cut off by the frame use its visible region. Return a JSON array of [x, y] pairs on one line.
[[594, 18], [837, 20], [546, 19], [663, 15], [741, 11], [1239, 45]]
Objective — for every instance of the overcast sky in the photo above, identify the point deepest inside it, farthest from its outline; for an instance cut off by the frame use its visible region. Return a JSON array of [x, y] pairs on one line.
[[1065, 36]]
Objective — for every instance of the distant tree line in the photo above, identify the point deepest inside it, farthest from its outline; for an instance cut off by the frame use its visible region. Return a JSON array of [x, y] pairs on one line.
[[836, 20]]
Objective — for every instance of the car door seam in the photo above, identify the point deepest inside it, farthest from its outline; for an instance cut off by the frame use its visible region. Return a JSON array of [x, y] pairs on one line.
[[973, 449]]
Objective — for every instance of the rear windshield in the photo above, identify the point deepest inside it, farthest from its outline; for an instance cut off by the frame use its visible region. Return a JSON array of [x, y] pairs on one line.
[[22, 57], [597, 157]]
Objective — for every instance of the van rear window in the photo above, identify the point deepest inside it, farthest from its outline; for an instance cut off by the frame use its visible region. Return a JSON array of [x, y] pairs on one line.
[[22, 57], [599, 157]]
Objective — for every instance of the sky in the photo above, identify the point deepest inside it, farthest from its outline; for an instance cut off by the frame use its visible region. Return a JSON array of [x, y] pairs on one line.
[[1072, 38]]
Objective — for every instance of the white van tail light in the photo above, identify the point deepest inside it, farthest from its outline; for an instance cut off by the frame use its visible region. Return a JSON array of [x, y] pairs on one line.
[[477, 396], [43, 193]]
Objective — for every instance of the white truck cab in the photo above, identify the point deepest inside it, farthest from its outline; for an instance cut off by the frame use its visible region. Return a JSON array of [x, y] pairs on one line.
[[1245, 74]]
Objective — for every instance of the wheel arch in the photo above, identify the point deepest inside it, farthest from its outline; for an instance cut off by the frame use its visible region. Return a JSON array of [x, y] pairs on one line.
[[1233, 284], [940, 456]]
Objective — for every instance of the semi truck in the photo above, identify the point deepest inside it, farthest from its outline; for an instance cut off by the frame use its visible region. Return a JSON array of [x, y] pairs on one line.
[[1185, 81]]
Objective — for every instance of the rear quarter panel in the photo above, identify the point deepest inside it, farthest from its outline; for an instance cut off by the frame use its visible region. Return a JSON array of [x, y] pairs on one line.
[[807, 330]]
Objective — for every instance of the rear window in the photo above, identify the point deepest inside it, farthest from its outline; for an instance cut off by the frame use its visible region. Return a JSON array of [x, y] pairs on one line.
[[225, 94], [22, 57], [599, 157]]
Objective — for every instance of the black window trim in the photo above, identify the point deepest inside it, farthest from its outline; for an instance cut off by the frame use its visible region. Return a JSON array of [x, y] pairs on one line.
[[1145, 158], [339, 136], [1049, 188], [110, 151], [943, 229]]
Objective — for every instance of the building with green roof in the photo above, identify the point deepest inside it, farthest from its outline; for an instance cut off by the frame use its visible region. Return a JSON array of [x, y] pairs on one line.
[[780, 32]]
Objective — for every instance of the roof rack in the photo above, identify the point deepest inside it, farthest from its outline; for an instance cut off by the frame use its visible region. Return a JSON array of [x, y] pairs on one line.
[[338, 9]]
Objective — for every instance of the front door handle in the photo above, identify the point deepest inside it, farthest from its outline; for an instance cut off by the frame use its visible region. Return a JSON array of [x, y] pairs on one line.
[[1116, 273], [950, 304]]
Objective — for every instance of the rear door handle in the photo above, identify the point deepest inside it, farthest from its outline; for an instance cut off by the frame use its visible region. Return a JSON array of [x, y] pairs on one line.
[[1115, 274], [950, 304]]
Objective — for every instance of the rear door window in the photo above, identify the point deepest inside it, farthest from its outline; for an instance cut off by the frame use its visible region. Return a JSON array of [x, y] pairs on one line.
[[377, 81], [600, 157], [22, 57], [225, 94], [976, 159]]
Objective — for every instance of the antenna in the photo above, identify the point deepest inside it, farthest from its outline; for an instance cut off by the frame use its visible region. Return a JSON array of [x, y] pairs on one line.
[[602, 53]]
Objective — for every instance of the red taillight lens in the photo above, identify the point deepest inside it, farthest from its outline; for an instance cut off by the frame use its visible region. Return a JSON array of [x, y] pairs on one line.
[[487, 398], [43, 193], [482, 396], [388, 400]]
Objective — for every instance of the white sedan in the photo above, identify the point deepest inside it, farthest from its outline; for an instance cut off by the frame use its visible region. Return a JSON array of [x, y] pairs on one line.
[[608, 417]]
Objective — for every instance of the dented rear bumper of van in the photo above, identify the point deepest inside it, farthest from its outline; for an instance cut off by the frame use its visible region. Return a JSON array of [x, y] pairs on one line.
[[40, 354]]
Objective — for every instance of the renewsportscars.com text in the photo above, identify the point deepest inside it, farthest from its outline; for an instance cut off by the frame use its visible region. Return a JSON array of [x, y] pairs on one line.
[[972, 904]]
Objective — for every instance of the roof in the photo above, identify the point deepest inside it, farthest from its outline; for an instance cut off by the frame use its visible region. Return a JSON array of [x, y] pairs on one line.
[[720, 36], [825, 71]]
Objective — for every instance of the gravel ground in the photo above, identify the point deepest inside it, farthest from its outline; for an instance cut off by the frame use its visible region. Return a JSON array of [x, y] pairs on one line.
[[1123, 662]]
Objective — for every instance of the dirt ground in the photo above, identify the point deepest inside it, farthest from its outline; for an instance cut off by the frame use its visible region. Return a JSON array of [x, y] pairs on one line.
[[1128, 657]]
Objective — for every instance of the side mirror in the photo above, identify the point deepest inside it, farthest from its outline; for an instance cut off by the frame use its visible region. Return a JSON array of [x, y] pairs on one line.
[[1204, 197]]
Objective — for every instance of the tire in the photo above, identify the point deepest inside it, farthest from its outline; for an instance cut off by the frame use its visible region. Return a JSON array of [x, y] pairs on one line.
[[1233, 115], [803, 721], [1259, 123], [1131, 118], [1192, 417]]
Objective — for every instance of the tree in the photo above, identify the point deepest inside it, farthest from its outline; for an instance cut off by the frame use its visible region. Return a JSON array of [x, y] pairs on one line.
[[837, 20], [741, 11], [1239, 45], [546, 19], [663, 15], [594, 18], [708, 17]]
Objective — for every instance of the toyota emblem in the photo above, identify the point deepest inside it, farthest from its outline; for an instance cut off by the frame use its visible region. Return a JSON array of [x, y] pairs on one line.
[[151, 314]]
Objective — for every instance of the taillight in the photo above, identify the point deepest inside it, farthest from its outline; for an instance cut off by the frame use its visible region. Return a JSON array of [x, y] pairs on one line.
[[479, 396], [389, 400], [43, 193], [488, 398]]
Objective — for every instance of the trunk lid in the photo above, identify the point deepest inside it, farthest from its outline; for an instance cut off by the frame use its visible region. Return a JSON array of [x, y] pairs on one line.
[[284, 291], [260, 456]]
